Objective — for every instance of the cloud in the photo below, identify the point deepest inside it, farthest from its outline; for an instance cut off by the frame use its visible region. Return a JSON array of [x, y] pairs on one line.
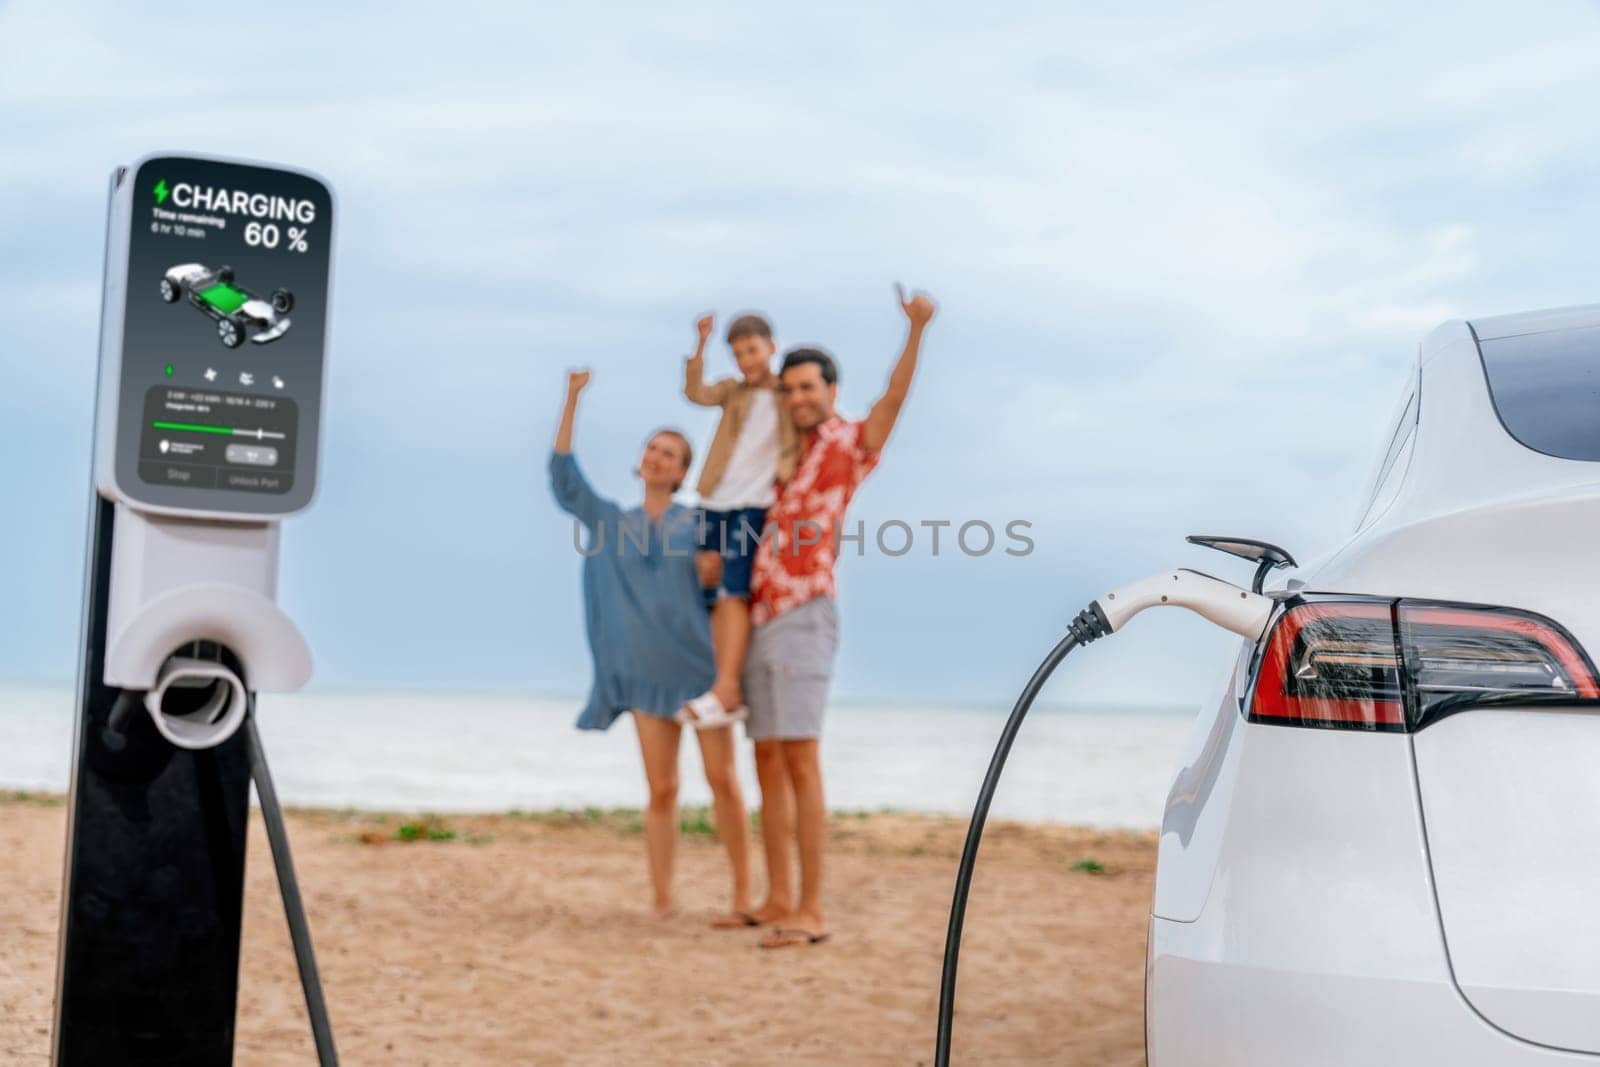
[[1183, 258]]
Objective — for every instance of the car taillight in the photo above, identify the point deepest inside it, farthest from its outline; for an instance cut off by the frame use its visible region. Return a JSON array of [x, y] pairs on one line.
[[1393, 666], [1332, 664], [1457, 657]]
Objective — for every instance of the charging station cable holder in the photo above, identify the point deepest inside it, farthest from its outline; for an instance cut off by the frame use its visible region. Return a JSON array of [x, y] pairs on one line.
[[178, 582]]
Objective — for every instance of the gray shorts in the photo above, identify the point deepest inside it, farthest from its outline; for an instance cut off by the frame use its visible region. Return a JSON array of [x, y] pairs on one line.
[[788, 671]]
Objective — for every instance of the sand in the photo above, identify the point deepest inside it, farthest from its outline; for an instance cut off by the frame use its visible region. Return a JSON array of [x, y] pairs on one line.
[[523, 939]]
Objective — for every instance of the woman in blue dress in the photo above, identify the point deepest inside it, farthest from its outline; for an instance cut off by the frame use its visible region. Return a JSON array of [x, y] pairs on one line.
[[650, 640]]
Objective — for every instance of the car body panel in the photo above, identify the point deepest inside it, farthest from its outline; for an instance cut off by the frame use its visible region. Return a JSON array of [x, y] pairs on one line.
[[1517, 882], [1320, 911], [1283, 898], [1393, 461], [1196, 810]]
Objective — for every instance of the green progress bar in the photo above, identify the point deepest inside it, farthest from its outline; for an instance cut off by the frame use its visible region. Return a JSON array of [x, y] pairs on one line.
[[224, 430]]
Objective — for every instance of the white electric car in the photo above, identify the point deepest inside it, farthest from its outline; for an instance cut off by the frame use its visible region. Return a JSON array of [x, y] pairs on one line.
[[1383, 844]]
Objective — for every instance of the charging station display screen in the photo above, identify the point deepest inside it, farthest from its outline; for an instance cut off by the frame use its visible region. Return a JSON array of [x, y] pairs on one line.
[[224, 323]]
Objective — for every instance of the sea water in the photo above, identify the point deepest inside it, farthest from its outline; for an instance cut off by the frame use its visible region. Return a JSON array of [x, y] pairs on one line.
[[422, 752]]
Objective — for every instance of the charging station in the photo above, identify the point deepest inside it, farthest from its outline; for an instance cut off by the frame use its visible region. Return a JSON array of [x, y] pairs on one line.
[[214, 322]]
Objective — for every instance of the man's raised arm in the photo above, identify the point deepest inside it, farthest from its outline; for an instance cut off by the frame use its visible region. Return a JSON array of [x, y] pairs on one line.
[[881, 419]]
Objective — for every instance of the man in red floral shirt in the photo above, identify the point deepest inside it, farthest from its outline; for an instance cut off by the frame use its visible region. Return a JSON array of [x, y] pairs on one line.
[[790, 662]]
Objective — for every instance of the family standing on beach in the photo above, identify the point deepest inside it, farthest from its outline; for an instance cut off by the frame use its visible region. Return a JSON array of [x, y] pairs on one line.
[[724, 613]]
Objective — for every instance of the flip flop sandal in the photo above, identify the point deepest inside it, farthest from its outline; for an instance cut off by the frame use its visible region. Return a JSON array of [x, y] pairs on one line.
[[739, 920], [789, 938], [705, 712]]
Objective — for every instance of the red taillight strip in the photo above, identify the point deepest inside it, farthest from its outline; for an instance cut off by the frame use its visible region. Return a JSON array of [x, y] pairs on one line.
[[1552, 640], [1271, 703]]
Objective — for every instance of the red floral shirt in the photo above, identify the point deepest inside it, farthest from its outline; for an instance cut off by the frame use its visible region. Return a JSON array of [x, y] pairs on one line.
[[801, 541]]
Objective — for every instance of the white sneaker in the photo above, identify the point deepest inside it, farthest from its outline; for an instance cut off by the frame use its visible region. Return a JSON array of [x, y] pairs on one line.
[[705, 712]]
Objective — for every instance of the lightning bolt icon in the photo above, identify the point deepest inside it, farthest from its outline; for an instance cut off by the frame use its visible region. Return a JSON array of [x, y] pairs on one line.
[[161, 191]]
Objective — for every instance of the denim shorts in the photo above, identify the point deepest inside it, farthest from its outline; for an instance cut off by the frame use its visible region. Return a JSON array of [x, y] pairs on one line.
[[735, 536]]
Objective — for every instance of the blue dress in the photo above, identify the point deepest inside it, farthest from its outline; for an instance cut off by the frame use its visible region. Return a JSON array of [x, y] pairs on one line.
[[643, 609]]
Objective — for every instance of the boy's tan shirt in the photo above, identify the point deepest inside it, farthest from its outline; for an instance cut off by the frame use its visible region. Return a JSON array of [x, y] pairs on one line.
[[733, 395]]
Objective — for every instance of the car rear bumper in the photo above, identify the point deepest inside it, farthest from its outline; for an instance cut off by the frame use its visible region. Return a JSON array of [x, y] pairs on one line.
[[1295, 920], [1208, 1011]]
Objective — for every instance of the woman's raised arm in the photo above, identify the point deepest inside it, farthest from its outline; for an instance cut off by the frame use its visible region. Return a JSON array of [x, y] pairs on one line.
[[572, 490], [576, 380]]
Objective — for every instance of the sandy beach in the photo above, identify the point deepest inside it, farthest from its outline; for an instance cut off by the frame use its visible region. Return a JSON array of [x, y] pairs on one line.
[[522, 939]]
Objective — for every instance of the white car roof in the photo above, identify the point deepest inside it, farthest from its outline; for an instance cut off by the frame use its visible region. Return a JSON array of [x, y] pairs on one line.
[[1464, 456], [1476, 515], [1498, 327]]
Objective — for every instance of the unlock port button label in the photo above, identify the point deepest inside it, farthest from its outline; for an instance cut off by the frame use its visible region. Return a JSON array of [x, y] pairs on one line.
[[252, 455]]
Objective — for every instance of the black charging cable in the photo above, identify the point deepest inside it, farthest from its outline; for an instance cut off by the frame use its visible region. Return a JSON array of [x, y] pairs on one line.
[[1090, 625], [294, 910]]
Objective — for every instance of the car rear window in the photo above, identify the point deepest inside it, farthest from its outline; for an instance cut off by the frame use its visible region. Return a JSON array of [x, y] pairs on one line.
[[1546, 389]]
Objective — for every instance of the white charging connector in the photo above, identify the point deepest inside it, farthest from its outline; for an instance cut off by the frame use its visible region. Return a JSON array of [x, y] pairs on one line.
[[1227, 605], [196, 704]]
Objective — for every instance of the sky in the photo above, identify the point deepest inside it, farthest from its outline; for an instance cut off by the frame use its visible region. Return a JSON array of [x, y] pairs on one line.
[[1183, 258]]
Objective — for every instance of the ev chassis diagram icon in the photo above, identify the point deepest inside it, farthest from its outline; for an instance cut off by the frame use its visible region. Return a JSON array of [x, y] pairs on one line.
[[237, 311]]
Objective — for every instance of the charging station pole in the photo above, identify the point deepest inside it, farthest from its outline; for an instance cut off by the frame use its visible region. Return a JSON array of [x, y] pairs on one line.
[[208, 412]]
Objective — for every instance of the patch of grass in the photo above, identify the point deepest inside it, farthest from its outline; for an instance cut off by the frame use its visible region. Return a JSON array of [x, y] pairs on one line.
[[38, 800], [619, 820], [692, 821], [696, 821], [1089, 865], [852, 813], [549, 817], [425, 829], [571, 816]]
